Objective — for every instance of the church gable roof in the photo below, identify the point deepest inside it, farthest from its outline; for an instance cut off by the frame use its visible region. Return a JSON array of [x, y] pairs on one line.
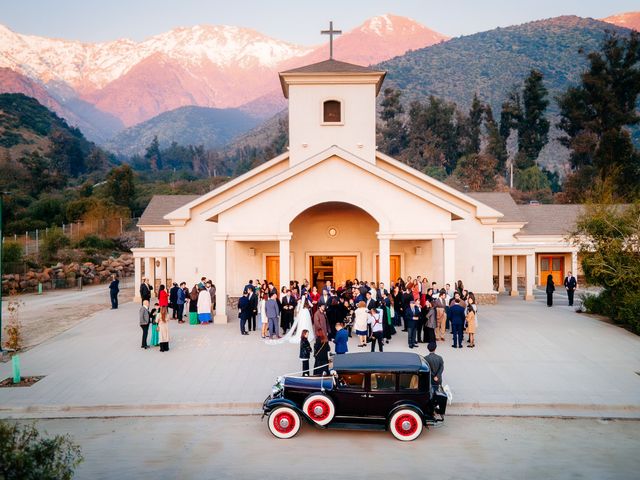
[[160, 205], [332, 66], [502, 202], [336, 151]]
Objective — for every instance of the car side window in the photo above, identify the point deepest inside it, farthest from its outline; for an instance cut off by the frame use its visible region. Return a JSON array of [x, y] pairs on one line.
[[383, 382], [352, 381], [409, 381]]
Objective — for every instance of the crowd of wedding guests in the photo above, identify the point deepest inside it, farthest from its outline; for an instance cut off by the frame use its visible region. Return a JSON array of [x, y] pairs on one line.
[[369, 311], [197, 305]]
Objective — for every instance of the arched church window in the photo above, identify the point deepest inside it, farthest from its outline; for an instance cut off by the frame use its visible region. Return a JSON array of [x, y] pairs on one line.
[[332, 113]]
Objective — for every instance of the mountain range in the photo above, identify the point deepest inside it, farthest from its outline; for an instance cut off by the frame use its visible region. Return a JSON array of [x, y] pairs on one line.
[[205, 65], [105, 87]]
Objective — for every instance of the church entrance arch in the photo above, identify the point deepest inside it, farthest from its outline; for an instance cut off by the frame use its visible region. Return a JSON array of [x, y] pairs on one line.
[[333, 241]]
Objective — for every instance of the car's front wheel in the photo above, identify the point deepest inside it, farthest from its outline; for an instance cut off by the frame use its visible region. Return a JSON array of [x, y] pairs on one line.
[[284, 422], [319, 408], [405, 424]]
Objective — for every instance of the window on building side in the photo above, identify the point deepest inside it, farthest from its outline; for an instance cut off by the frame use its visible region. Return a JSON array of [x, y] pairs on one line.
[[172, 239], [332, 112]]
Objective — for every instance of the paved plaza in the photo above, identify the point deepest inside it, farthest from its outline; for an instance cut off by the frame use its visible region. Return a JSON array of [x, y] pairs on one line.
[[529, 360]]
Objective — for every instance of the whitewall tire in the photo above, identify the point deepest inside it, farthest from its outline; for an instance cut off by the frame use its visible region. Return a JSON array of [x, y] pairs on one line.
[[319, 408], [406, 424], [283, 422]]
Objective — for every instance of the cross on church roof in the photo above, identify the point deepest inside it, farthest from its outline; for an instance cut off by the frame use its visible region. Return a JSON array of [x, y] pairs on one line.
[[331, 32]]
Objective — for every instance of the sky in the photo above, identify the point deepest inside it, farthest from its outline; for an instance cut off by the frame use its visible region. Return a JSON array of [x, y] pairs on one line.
[[296, 21]]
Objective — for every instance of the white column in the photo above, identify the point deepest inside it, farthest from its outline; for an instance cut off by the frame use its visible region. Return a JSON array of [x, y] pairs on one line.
[[384, 261], [150, 273], [574, 264], [137, 264], [530, 276], [221, 280], [437, 256], [514, 275], [285, 260], [449, 261], [163, 271], [171, 269], [500, 273]]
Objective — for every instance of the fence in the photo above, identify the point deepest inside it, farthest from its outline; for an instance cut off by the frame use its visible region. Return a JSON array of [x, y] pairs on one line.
[[32, 241]]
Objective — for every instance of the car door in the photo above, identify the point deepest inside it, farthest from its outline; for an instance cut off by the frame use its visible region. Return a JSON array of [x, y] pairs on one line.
[[382, 394], [350, 395]]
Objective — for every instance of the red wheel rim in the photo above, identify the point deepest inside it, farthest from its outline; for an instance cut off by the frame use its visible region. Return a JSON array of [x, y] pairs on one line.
[[284, 422], [406, 425], [318, 410]]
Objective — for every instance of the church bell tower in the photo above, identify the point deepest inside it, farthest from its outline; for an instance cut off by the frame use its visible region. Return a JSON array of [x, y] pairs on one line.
[[331, 103]]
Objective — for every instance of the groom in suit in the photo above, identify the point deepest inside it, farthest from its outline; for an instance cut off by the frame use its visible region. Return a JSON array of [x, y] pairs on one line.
[[570, 283], [288, 307]]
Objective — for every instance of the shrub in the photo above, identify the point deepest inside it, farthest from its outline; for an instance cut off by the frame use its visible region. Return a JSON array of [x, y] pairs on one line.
[[53, 241], [26, 455], [11, 252], [96, 243]]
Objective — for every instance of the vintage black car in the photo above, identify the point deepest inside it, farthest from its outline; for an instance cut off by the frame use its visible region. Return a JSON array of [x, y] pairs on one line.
[[381, 390]]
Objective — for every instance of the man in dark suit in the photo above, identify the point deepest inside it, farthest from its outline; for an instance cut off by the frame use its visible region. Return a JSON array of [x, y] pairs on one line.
[[369, 301], [436, 365], [411, 318], [407, 298], [457, 317], [173, 300], [145, 290], [325, 299], [570, 283], [244, 312], [253, 307], [288, 306]]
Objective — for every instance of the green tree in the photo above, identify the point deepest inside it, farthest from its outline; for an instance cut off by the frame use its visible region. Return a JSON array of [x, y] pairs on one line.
[[433, 135], [394, 133], [495, 143], [596, 115], [152, 155], [121, 186], [609, 241], [532, 179], [476, 172], [474, 125], [533, 127], [26, 455]]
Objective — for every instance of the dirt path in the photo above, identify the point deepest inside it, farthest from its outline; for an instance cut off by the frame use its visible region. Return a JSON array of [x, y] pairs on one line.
[[45, 316]]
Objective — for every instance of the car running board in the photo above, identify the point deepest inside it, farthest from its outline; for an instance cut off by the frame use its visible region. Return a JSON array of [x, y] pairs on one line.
[[355, 426]]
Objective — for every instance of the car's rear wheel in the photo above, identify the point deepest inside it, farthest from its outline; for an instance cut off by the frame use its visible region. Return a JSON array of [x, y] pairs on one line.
[[406, 424], [284, 422], [319, 408]]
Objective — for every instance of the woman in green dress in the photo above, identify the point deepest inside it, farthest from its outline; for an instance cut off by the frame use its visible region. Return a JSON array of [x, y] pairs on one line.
[[154, 326], [193, 306]]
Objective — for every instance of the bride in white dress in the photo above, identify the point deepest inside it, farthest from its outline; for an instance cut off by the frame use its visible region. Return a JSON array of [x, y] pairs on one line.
[[302, 321]]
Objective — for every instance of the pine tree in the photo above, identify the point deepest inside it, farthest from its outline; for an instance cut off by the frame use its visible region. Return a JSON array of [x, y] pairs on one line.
[[121, 186], [152, 155], [533, 127], [495, 145], [474, 123], [394, 133], [595, 117]]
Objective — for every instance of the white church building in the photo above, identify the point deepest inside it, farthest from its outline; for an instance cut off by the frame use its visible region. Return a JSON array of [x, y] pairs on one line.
[[335, 208]]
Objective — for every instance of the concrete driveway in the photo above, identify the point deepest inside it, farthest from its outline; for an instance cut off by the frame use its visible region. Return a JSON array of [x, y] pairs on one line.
[[529, 360]]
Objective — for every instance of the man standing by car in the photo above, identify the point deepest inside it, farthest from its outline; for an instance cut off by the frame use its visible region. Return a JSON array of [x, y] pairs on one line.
[[436, 365], [570, 283]]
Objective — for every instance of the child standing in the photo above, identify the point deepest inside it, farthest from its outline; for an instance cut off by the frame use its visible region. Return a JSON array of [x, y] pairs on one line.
[[305, 352]]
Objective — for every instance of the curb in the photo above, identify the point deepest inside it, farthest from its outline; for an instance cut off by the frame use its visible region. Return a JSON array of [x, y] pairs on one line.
[[254, 408]]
